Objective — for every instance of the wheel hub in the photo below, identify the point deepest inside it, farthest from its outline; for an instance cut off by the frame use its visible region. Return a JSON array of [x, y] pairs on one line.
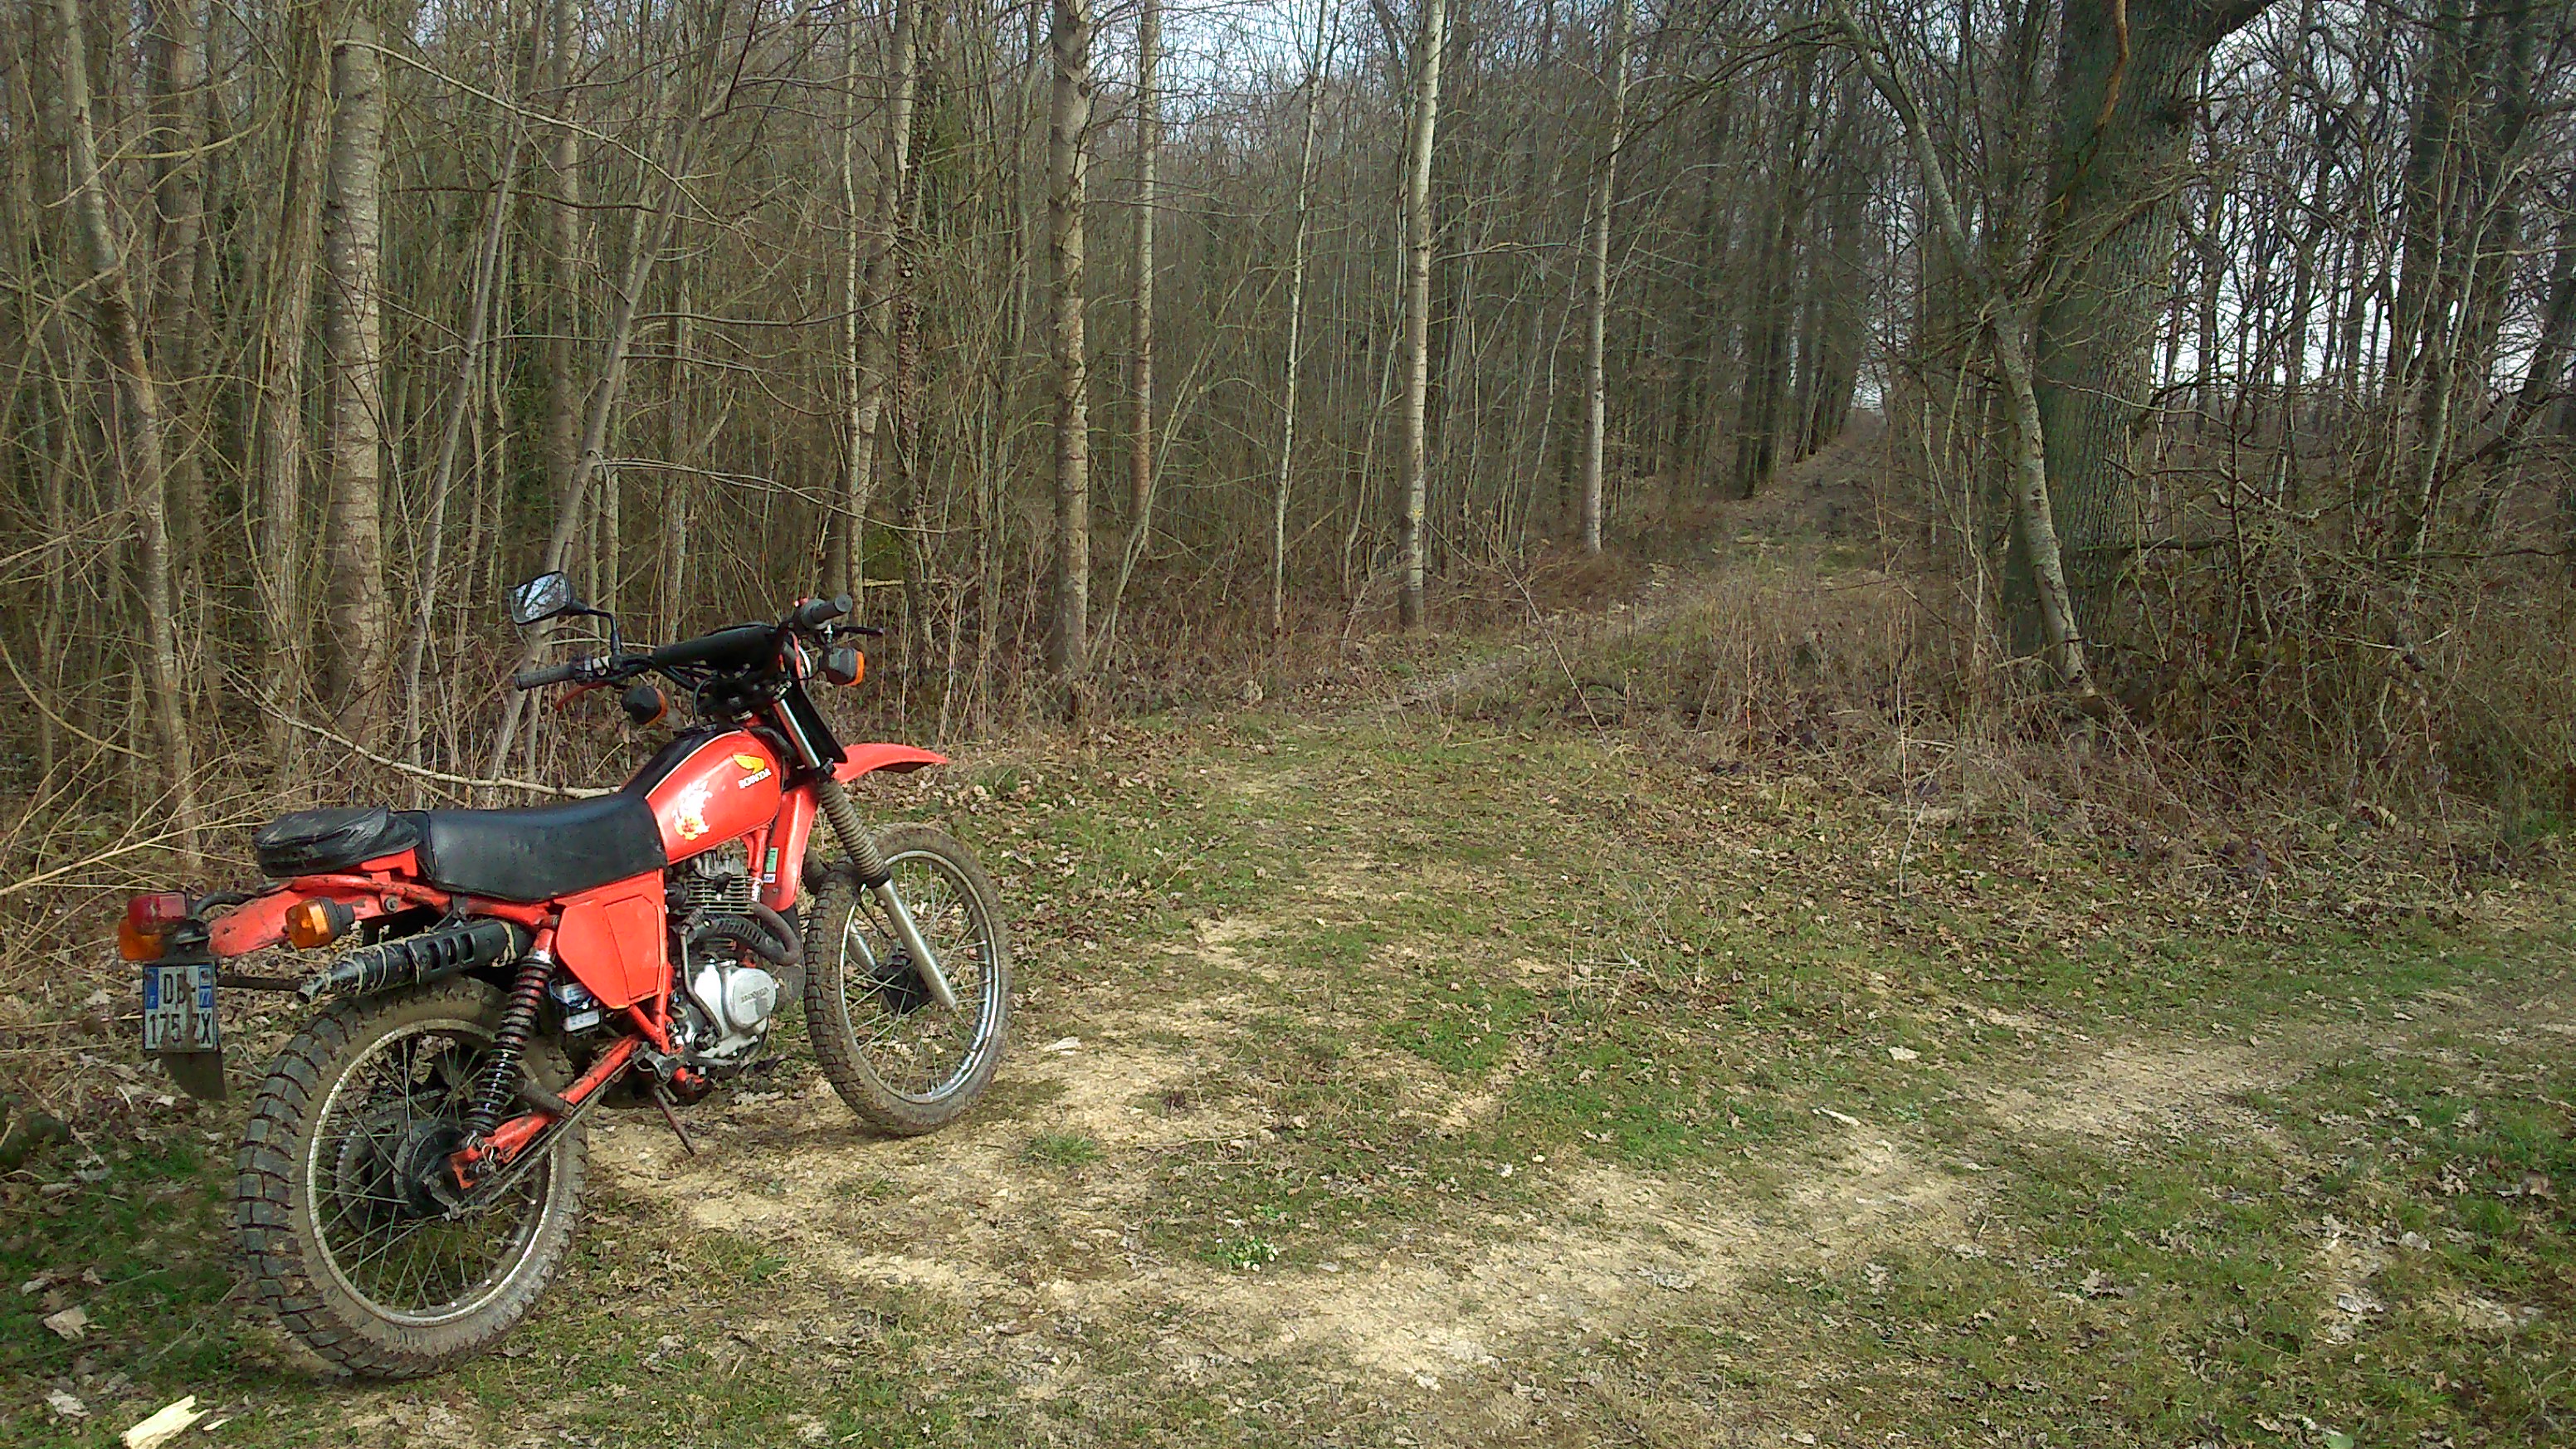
[[897, 986], [418, 1167]]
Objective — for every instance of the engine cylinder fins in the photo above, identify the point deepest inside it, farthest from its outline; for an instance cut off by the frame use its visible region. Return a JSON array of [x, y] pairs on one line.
[[417, 960], [717, 882]]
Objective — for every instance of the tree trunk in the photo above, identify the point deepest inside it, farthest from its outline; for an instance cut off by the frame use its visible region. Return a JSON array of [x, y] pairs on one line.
[[870, 332], [139, 397], [1068, 165], [451, 439], [2009, 319], [1428, 44], [1838, 279], [2432, 185], [1699, 434], [1149, 141], [648, 232], [1771, 303], [1278, 612], [359, 620], [279, 438], [178, 202], [1140, 453], [564, 256], [1596, 301], [2125, 78]]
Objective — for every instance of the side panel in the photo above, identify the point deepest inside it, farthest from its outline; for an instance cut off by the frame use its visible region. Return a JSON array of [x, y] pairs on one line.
[[611, 939], [725, 789]]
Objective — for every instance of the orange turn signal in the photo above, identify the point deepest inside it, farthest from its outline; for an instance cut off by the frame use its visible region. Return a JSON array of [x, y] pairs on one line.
[[317, 923], [136, 944]]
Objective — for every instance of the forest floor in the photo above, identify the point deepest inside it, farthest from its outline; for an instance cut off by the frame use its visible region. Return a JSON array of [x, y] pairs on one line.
[[1386, 1077]]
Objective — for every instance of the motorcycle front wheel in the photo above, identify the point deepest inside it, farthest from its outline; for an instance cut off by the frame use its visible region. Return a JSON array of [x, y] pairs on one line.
[[344, 1245], [901, 1061]]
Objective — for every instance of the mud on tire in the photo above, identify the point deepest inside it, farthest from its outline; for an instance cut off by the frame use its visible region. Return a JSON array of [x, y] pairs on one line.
[[903, 1065], [291, 1197]]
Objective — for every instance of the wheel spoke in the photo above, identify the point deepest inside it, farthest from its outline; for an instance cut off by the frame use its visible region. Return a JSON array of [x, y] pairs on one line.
[[390, 1108], [913, 1049]]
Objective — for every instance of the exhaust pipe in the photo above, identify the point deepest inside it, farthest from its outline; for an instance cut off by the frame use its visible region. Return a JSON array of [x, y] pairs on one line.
[[418, 960]]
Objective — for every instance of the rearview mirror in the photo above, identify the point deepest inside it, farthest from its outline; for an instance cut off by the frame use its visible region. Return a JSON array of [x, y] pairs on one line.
[[542, 598]]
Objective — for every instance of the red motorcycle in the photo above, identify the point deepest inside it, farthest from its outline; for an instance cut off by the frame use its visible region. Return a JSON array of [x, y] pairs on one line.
[[408, 1182]]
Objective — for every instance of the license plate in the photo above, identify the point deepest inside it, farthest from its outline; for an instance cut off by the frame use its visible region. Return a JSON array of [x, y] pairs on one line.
[[179, 1008]]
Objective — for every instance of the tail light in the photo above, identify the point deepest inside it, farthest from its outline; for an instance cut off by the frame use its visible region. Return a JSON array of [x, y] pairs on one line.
[[313, 924], [147, 920]]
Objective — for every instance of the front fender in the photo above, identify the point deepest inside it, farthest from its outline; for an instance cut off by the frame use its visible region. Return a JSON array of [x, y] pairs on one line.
[[858, 760]]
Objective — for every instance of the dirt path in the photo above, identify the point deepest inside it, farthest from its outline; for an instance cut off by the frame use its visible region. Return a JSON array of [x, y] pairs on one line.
[[967, 1217], [1664, 598]]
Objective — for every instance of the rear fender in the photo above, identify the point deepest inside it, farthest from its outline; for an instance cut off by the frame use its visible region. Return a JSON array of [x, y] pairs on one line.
[[375, 889]]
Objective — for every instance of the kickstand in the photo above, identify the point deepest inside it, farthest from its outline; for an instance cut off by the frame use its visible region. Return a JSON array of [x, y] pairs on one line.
[[662, 1099]]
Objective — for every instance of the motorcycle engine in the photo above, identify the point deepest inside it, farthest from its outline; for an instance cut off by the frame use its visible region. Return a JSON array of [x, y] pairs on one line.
[[723, 1017]]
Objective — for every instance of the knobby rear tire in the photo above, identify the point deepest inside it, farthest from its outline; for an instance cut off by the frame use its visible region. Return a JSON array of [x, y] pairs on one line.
[[276, 1212], [850, 1009]]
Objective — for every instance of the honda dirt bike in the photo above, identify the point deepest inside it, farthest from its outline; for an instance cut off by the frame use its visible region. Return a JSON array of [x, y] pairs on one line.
[[410, 1176]]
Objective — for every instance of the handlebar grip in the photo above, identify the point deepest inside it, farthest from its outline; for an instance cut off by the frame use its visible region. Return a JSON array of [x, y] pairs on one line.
[[815, 612], [550, 674]]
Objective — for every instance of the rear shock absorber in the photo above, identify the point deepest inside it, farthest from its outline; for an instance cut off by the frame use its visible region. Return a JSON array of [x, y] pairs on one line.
[[499, 1084]]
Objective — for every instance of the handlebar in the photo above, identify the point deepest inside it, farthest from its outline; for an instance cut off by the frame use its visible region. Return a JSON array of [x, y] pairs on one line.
[[741, 646], [814, 613], [570, 669]]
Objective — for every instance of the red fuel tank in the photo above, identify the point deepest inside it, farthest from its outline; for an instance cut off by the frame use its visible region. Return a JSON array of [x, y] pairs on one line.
[[710, 790]]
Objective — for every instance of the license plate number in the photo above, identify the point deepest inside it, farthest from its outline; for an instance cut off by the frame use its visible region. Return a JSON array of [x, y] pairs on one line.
[[179, 1008]]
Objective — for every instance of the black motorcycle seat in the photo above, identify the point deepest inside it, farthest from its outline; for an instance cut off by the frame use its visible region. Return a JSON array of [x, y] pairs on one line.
[[311, 842], [540, 853]]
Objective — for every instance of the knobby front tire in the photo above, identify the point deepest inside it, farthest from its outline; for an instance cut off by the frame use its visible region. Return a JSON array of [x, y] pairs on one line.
[[901, 1062]]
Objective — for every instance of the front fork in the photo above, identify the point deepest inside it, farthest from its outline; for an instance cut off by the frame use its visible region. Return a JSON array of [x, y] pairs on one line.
[[880, 882]]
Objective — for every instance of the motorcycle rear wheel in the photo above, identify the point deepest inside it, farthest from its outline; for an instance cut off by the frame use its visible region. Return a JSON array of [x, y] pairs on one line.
[[355, 1262], [901, 1062]]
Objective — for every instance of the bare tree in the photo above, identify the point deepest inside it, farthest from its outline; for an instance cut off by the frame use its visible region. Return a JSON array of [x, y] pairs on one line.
[[1429, 41], [2008, 318], [2123, 120], [1596, 301], [1313, 98], [1140, 447], [360, 633], [1068, 166], [139, 397], [278, 440], [564, 250], [869, 311], [179, 142]]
